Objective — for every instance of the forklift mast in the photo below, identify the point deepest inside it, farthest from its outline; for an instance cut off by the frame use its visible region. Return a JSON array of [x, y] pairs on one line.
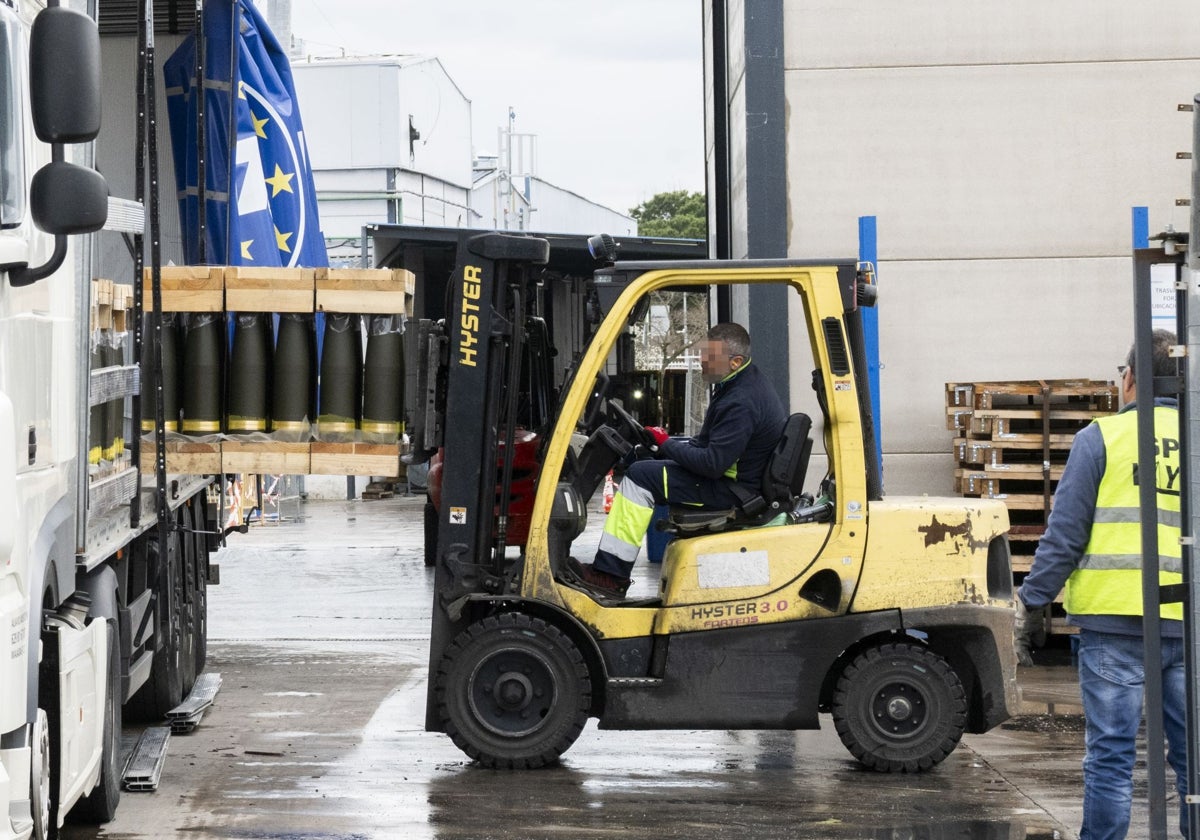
[[484, 332]]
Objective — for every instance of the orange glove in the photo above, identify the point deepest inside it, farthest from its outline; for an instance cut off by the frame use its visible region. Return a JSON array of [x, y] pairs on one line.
[[658, 433]]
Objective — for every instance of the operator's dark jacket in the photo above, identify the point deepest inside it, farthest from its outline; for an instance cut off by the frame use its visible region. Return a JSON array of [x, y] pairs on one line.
[[743, 423]]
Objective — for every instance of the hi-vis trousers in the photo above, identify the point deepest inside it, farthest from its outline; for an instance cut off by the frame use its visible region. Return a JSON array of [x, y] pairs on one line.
[[645, 485]]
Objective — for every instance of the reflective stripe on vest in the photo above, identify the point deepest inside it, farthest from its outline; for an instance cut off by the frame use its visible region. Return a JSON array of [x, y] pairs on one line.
[[1108, 580]]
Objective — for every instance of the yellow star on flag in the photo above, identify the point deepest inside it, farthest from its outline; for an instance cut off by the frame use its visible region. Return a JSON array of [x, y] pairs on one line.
[[258, 125], [281, 240], [246, 249], [280, 182]]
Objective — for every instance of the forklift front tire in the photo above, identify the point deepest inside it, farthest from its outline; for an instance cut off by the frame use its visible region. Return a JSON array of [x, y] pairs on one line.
[[513, 692], [899, 708]]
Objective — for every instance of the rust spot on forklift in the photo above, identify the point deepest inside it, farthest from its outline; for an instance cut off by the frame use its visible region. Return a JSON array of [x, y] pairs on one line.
[[971, 593], [936, 532]]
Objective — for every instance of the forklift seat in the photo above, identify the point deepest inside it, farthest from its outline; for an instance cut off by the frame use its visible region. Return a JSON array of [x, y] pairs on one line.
[[782, 483]]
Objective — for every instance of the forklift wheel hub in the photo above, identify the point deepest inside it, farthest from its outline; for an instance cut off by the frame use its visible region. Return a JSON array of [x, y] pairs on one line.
[[513, 690], [899, 710]]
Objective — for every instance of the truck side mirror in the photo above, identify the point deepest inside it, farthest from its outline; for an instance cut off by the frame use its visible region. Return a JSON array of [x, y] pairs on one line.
[[64, 78], [64, 93], [66, 199]]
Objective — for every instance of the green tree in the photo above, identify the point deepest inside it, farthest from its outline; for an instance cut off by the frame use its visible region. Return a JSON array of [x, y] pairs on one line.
[[678, 214]]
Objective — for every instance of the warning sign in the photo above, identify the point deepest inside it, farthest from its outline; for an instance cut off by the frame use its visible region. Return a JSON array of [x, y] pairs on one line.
[[458, 516], [1162, 290]]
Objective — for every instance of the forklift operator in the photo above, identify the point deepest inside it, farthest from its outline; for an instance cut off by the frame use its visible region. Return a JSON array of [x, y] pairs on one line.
[[742, 425]]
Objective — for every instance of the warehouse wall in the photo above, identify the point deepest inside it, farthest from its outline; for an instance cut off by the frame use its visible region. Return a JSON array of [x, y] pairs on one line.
[[1001, 147]]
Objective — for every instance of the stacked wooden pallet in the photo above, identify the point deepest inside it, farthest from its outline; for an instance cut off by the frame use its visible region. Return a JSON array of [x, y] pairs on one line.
[[1012, 441], [111, 303]]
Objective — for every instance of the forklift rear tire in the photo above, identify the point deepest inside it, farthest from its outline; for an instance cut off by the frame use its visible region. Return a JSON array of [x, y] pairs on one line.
[[431, 532], [513, 692], [899, 708]]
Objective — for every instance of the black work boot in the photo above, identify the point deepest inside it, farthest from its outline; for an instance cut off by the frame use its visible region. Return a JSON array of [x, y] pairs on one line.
[[600, 583]]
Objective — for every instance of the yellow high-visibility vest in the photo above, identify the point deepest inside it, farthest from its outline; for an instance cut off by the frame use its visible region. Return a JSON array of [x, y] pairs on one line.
[[1108, 580]]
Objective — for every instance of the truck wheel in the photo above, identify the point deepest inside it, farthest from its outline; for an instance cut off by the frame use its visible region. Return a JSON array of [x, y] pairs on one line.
[[431, 532], [163, 691], [899, 708], [41, 803], [100, 806], [200, 576], [188, 616], [513, 692]]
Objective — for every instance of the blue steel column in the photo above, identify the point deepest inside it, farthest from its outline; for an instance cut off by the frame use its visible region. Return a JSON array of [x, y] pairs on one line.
[[1141, 227], [868, 251]]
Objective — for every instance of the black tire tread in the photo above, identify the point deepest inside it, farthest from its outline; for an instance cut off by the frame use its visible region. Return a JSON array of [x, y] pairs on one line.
[[162, 691], [896, 761], [515, 621]]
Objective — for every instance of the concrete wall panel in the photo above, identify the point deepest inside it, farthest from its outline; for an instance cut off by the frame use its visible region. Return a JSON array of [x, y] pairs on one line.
[[980, 320], [987, 162], [869, 33]]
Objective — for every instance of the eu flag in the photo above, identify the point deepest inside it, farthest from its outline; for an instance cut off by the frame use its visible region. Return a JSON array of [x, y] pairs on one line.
[[261, 207]]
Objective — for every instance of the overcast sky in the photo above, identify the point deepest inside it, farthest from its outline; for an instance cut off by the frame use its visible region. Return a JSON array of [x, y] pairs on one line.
[[613, 90]]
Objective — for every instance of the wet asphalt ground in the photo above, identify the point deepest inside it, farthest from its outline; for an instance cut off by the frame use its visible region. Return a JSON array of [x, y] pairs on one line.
[[319, 630]]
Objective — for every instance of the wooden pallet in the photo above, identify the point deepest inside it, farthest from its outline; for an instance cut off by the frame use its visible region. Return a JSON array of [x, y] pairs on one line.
[[277, 457], [1012, 442], [1014, 450], [1090, 393], [242, 288]]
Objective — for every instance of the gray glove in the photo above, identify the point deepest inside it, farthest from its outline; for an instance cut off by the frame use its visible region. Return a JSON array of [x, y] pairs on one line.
[[1024, 624]]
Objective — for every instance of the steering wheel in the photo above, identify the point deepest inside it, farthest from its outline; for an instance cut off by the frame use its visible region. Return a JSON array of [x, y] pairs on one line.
[[640, 435]]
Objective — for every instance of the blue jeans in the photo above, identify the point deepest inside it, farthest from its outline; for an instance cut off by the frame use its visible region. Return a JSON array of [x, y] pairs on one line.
[[1111, 678]]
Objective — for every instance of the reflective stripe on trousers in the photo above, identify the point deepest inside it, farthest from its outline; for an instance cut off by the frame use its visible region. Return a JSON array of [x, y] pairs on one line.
[[628, 521]]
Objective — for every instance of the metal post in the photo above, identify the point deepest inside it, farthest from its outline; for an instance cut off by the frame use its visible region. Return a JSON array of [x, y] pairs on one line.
[[1190, 464], [200, 90], [1148, 497]]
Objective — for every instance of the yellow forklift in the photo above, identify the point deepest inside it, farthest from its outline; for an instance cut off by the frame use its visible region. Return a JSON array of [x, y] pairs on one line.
[[892, 614]]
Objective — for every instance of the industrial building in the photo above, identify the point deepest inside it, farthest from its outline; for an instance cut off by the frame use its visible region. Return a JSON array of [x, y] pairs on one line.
[[1001, 150]]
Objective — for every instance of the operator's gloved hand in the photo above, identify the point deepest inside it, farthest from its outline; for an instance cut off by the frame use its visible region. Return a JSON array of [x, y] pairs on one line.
[[1025, 622], [658, 433]]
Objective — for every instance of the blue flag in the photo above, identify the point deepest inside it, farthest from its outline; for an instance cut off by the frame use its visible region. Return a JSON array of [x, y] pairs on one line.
[[261, 206]]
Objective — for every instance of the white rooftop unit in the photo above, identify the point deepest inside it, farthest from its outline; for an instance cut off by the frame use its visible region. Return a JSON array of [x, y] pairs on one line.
[[395, 111], [390, 140]]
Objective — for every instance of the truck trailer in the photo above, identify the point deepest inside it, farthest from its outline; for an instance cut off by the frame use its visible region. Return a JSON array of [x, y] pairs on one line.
[[103, 564]]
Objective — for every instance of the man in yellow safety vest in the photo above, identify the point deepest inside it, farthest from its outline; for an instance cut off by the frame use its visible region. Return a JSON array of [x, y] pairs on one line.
[[1092, 545]]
